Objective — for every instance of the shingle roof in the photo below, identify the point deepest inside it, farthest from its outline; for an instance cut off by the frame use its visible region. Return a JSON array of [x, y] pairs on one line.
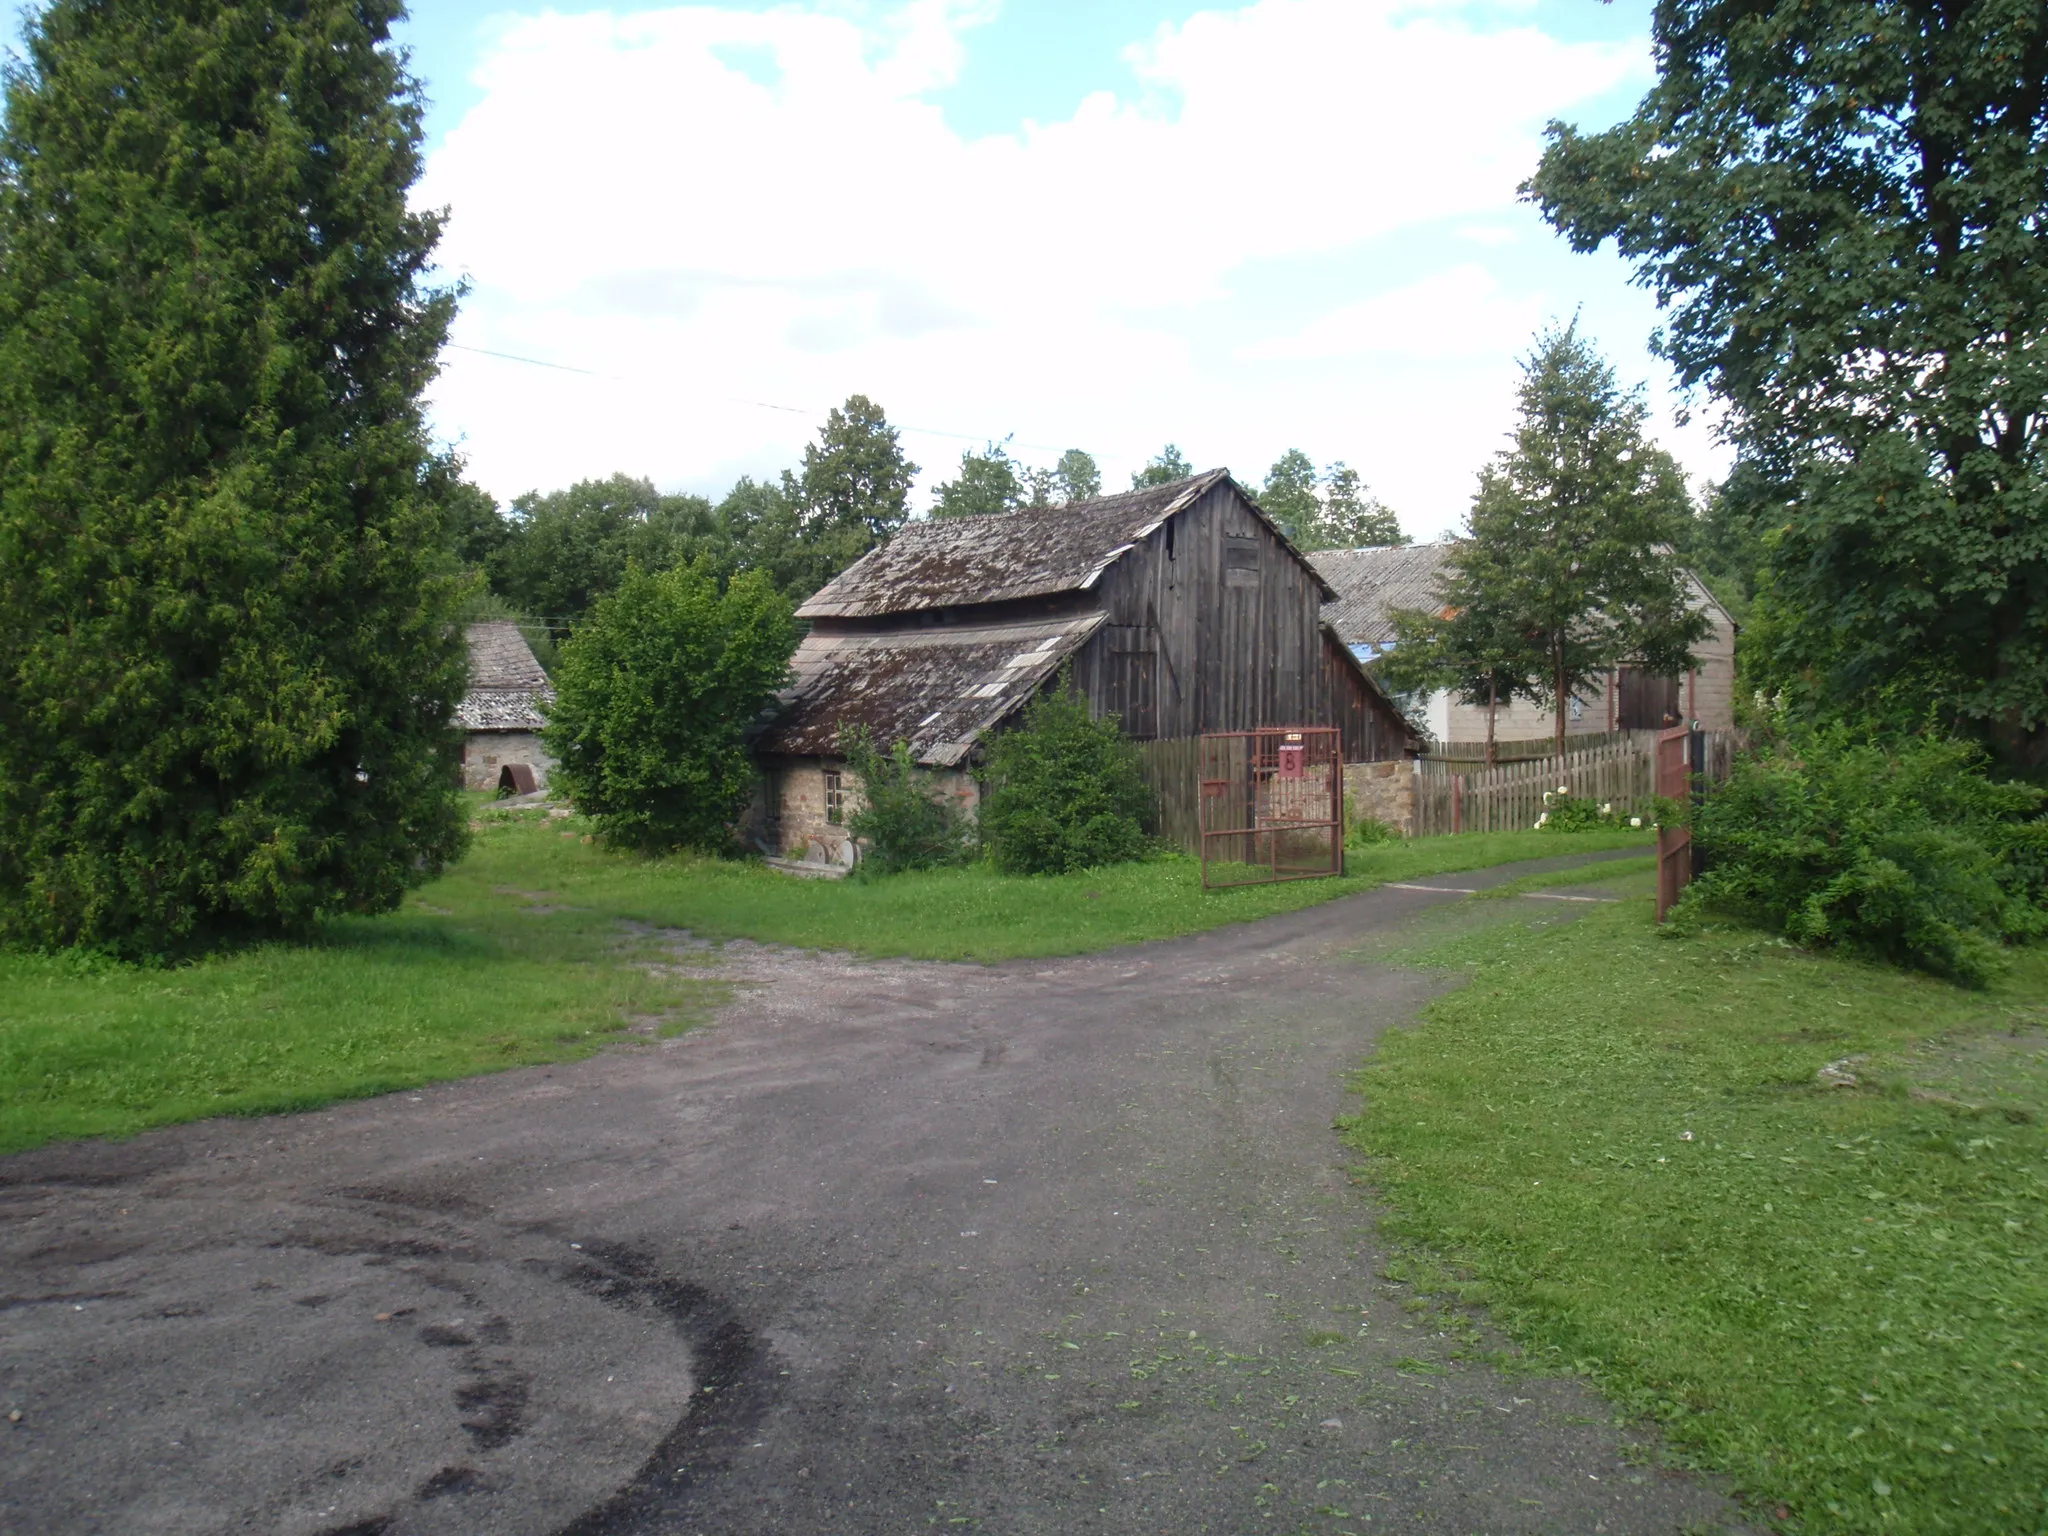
[[1033, 552], [506, 684], [1372, 583], [937, 688]]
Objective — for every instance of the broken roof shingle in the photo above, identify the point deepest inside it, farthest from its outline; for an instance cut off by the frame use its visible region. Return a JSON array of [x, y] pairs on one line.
[[937, 688]]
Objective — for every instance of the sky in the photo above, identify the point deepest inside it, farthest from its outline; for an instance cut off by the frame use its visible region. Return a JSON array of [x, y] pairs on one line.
[[1104, 224]]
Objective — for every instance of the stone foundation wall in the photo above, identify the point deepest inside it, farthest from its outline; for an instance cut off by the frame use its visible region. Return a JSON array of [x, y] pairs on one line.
[[485, 752], [800, 826], [1382, 791]]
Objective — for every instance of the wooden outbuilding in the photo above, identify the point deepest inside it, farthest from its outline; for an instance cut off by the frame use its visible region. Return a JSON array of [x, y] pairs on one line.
[[1181, 609]]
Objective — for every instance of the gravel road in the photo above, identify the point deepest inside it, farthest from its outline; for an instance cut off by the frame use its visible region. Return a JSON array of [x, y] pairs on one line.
[[888, 1247]]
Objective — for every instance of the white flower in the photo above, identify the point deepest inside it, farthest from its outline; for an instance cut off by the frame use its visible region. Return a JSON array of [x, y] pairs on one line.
[[1607, 809], [1564, 789], [1685, 1135], [1543, 818], [1546, 797], [1635, 821]]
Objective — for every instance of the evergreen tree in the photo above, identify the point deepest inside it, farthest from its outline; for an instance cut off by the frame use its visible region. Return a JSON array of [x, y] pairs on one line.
[[855, 478], [227, 661]]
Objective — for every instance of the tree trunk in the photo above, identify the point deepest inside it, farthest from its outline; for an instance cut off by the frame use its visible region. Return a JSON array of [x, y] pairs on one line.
[[1492, 704]]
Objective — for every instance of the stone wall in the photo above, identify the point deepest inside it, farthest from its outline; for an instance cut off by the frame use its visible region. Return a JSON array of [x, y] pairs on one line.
[[1382, 791], [485, 752], [800, 825]]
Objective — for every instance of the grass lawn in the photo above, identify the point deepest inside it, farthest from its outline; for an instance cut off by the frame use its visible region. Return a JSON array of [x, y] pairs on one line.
[[533, 950], [1837, 1294]]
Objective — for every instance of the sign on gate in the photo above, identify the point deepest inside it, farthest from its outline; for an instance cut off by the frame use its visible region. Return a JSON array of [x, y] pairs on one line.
[[1272, 805]]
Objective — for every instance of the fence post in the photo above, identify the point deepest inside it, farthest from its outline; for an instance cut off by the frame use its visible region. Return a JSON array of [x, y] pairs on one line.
[[1457, 802]]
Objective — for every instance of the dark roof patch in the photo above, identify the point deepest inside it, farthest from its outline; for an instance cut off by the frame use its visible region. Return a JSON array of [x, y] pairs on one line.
[[937, 688]]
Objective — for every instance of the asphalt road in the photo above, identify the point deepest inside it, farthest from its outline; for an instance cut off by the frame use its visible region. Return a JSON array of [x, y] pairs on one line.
[[1061, 1246]]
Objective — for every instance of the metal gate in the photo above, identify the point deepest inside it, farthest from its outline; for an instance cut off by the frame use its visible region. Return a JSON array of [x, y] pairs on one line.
[[1674, 844], [1272, 805]]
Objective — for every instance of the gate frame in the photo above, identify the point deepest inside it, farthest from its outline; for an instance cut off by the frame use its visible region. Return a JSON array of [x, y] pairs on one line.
[[1262, 759], [1674, 844]]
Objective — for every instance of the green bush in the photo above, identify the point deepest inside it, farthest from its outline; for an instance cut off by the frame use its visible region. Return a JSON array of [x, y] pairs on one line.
[[1369, 830], [654, 695], [1906, 851], [1064, 791], [904, 822]]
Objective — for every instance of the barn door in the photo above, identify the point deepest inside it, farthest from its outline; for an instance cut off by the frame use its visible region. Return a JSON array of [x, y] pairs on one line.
[[1132, 679], [1648, 702]]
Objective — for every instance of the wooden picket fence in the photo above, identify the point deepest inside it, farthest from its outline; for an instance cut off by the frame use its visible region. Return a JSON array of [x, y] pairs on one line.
[[1450, 797], [1457, 795]]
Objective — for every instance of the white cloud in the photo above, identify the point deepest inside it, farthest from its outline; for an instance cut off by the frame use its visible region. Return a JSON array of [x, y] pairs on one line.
[[1461, 312], [711, 207]]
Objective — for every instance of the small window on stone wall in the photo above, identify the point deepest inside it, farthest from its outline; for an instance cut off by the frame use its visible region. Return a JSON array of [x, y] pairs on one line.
[[835, 797]]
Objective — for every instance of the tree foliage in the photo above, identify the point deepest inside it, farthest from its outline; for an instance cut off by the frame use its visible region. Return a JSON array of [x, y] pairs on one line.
[[1478, 642], [904, 821], [227, 661], [1289, 494], [1570, 533], [1077, 477], [563, 551], [1351, 517], [989, 482], [654, 695], [1167, 466], [1906, 850], [1064, 790], [1841, 206]]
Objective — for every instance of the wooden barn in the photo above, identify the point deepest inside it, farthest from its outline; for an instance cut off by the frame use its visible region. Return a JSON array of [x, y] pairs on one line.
[[1181, 608]]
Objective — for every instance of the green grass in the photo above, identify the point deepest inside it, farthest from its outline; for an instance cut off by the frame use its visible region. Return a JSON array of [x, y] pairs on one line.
[[1838, 1295], [971, 913], [534, 950]]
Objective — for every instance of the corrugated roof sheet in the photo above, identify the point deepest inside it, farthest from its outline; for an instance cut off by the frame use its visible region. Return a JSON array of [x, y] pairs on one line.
[[1372, 583], [506, 685], [1033, 552], [937, 688]]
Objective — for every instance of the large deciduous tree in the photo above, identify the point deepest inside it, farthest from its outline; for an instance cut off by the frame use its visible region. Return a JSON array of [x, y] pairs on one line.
[[1842, 206], [1571, 529], [227, 661], [1478, 642], [564, 550], [1163, 468], [1350, 516]]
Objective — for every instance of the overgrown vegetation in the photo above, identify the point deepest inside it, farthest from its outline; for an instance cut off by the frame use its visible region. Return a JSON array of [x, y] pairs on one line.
[[1064, 790], [1904, 850], [654, 696], [226, 662], [1793, 1206], [904, 822]]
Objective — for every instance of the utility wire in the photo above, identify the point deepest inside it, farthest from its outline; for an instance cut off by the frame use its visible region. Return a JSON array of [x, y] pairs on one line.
[[765, 405]]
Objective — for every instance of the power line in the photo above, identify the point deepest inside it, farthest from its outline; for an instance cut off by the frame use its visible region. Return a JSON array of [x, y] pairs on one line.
[[764, 405]]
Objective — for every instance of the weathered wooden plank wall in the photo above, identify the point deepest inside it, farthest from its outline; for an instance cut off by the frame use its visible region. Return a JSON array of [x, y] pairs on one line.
[[1171, 768]]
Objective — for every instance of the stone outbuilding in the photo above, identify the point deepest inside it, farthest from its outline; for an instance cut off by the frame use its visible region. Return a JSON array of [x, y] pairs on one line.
[[1181, 608], [501, 714], [1371, 585]]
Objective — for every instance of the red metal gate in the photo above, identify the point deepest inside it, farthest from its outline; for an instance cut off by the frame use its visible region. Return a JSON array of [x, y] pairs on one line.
[[1674, 844], [1272, 805]]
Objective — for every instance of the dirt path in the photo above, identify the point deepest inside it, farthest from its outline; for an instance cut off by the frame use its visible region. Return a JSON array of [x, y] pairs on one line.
[[1051, 1247]]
